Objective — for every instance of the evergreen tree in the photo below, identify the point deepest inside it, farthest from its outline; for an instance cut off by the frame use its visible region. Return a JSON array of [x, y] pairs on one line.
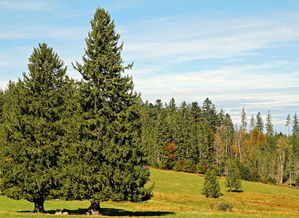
[[259, 122], [107, 160], [183, 134], [195, 111], [172, 105], [243, 119], [32, 116], [269, 125], [252, 123], [295, 125], [232, 178], [211, 187], [206, 145], [210, 114]]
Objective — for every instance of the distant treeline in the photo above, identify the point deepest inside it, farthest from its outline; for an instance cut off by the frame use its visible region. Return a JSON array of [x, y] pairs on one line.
[[193, 138]]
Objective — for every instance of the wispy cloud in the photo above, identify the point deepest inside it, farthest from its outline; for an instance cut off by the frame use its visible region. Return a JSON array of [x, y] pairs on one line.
[[43, 32], [190, 38], [25, 5]]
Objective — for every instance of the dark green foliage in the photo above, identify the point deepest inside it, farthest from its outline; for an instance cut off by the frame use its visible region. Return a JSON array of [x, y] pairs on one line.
[[246, 173], [209, 114], [211, 187], [259, 122], [232, 179], [206, 145], [33, 132], [106, 160]]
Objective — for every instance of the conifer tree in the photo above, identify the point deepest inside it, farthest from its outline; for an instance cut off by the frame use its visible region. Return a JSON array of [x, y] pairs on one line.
[[269, 125], [32, 116], [243, 119], [232, 179], [172, 105], [107, 160], [210, 114], [259, 122], [183, 132], [211, 187]]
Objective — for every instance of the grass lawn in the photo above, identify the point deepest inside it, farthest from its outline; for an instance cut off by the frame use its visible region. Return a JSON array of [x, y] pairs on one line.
[[177, 194]]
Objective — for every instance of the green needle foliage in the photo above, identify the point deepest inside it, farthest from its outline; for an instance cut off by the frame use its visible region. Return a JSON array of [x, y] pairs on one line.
[[106, 161], [32, 129], [233, 182], [211, 187]]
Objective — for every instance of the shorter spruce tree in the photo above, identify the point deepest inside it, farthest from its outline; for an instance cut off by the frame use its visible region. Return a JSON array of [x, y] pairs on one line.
[[233, 182], [211, 187]]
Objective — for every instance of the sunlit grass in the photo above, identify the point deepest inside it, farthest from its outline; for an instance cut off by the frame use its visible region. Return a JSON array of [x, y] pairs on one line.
[[179, 194]]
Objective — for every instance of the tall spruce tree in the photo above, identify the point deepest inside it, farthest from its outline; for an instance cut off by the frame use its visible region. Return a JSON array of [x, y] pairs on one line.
[[109, 160], [210, 114], [32, 130]]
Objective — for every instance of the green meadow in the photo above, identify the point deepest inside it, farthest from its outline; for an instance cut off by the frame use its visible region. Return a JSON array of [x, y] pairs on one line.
[[178, 194]]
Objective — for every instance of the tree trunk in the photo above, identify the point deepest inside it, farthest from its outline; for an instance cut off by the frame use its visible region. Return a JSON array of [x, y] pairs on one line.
[[39, 206], [94, 208]]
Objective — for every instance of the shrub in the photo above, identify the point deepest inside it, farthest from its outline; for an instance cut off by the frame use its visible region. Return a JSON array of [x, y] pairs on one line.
[[185, 165], [268, 180], [224, 206]]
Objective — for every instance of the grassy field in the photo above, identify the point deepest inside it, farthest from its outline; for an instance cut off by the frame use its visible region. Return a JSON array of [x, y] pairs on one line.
[[177, 194]]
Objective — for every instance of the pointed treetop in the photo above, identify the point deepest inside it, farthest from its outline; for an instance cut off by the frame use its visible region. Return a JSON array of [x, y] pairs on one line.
[[243, 118], [269, 125], [259, 122]]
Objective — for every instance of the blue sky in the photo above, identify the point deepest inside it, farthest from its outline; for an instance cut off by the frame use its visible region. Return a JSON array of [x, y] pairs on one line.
[[238, 53]]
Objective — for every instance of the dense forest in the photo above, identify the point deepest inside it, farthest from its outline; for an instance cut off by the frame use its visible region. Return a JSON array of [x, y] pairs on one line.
[[193, 138], [92, 139]]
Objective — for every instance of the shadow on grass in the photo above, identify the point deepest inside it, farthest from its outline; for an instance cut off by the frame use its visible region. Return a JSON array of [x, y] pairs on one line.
[[113, 212], [236, 191]]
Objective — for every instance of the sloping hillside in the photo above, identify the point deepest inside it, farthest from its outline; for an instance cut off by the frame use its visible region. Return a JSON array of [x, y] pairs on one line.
[[178, 194]]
